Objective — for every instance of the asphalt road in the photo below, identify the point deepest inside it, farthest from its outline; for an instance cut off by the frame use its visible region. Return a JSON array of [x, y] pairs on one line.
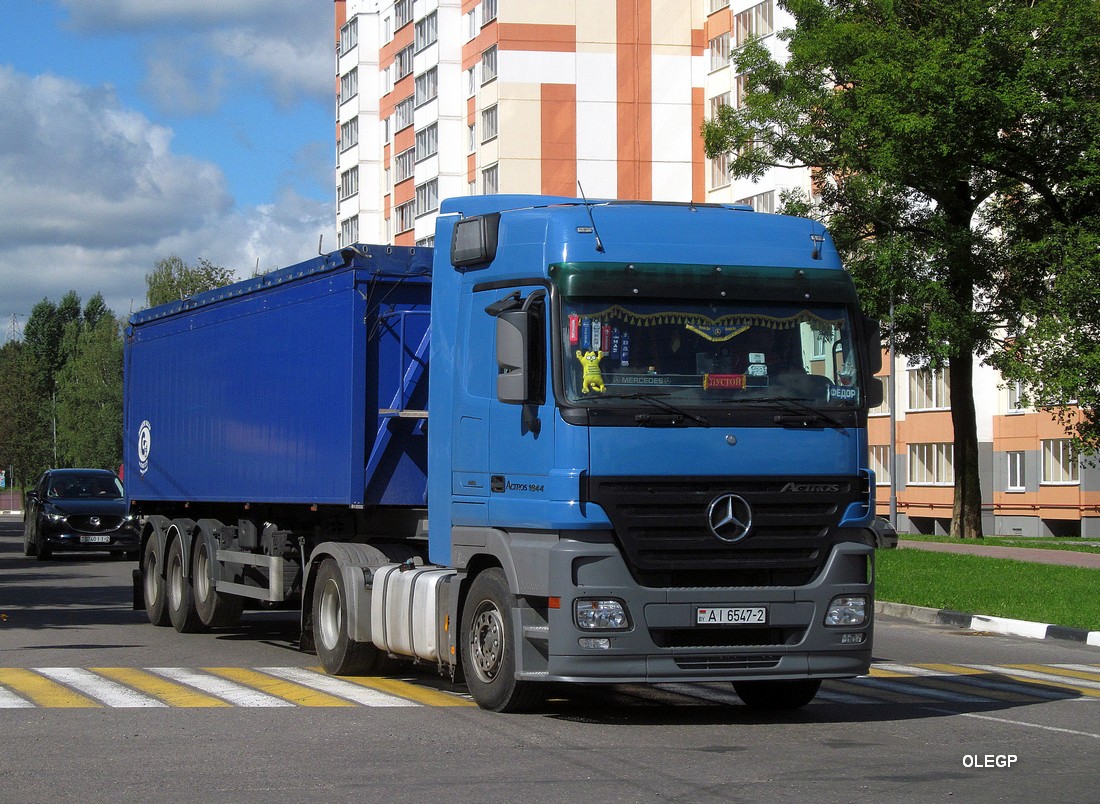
[[98, 705]]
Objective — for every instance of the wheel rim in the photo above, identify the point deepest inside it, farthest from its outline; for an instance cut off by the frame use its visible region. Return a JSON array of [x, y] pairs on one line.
[[175, 582], [487, 642], [330, 615], [152, 587], [200, 580]]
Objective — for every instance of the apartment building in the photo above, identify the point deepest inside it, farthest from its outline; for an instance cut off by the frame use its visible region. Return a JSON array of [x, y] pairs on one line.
[[439, 98]]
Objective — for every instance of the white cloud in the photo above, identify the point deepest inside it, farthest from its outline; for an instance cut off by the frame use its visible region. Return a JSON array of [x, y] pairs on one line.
[[284, 45], [92, 195]]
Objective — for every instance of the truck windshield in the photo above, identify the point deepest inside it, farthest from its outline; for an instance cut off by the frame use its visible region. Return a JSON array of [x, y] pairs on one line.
[[700, 355]]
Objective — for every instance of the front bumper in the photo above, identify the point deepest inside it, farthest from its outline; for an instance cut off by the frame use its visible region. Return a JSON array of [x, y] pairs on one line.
[[65, 538], [665, 645]]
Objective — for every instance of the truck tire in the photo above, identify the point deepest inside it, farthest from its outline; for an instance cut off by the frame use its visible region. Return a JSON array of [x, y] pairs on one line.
[[214, 609], [777, 696], [340, 655], [156, 606], [489, 647], [181, 600]]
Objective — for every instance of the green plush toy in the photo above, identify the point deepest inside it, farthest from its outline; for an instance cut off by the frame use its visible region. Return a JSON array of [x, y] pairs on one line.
[[592, 380]]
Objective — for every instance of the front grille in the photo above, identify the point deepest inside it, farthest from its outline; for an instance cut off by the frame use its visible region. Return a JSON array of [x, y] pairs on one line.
[[662, 527], [94, 524], [735, 637], [726, 662]]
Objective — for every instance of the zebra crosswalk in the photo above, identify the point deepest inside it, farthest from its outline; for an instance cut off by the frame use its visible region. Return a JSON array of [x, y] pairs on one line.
[[161, 687]]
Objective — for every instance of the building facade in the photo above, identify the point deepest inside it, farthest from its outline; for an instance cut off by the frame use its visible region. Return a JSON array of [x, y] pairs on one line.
[[441, 98]]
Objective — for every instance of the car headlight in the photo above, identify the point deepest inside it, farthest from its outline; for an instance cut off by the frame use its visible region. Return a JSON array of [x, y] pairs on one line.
[[55, 517], [601, 615], [847, 611]]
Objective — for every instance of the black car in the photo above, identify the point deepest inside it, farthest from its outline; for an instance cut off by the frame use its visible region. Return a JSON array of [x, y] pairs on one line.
[[78, 509]]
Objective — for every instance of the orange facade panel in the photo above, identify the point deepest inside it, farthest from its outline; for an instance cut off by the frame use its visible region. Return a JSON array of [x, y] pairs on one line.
[[551, 38], [634, 74], [928, 427], [558, 103], [718, 23]]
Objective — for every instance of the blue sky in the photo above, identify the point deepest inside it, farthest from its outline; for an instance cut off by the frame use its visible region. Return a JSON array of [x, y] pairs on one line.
[[132, 130]]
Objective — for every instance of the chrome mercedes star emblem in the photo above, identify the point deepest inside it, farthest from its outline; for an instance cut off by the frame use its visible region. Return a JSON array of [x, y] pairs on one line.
[[95, 521], [729, 517]]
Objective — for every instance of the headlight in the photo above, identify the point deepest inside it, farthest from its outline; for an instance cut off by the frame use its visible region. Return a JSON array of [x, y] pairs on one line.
[[601, 615], [848, 611], [55, 517]]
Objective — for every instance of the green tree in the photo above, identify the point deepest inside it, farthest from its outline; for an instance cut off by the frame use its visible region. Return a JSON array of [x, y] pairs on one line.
[[928, 123], [89, 397], [173, 279]]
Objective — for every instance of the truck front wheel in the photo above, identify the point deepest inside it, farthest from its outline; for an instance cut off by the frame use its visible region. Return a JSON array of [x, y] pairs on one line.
[[489, 647], [339, 653], [780, 695]]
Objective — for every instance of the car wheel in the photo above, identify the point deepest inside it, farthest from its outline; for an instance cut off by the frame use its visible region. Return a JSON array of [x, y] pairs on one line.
[[42, 550]]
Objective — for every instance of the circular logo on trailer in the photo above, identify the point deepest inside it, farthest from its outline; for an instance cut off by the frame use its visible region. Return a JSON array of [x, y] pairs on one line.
[[729, 517], [144, 445]]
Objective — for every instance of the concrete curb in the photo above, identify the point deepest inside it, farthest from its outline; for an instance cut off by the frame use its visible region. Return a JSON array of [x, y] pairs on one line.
[[11, 513], [982, 622]]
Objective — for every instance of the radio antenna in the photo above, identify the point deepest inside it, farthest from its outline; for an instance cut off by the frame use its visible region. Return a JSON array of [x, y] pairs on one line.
[[595, 231]]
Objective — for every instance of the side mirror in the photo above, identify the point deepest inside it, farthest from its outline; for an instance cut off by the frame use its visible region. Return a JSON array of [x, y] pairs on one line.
[[872, 334], [874, 392], [513, 371]]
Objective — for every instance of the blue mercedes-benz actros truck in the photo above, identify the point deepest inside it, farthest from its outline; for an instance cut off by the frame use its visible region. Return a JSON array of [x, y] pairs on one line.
[[575, 441]]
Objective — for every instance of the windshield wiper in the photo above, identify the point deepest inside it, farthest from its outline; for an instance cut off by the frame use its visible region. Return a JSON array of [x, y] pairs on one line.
[[655, 400], [807, 412]]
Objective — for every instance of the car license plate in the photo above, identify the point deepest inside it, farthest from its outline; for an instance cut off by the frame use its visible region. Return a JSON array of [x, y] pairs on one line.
[[731, 615], [96, 538]]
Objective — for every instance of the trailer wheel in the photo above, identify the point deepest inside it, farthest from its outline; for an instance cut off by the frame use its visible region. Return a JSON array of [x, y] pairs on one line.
[[489, 647], [777, 696], [181, 601], [339, 653], [156, 607], [214, 609]]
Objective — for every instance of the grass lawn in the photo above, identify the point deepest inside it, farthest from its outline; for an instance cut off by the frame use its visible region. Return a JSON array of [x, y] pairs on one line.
[[1078, 545], [992, 586]]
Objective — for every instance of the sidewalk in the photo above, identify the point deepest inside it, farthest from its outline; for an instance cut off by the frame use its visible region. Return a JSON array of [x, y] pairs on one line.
[[997, 625]]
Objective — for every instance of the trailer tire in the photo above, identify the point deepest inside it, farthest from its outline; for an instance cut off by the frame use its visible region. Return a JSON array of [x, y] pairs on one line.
[[779, 695], [180, 598], [340, 655], [214, 609], [489, 647], [152, 584]]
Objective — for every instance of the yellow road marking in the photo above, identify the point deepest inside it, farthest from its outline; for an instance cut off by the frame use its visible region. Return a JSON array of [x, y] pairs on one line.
[[170, 692], [287, 690], [43, 691], [404, 689]]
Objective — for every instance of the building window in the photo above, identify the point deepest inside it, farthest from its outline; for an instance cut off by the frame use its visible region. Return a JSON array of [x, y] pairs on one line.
[[1059, 462], [349, 134], [1015, 471], [719, 51], [884, 408], [427, 86], [427, 197], [931, 464], [488, 11], [471, 24], [929, 389], [471, 76], [719, 171], [753, 23], [403, 114], [349, 183], [402, 13], [403, 63], [349, 84], [762, 202], [489, 180], [403, 165], [880, 463], [473, 137], [718, 5], [740, 87], [349, 35], [349, 231], [1015, 397], [427, 142], [404, 216], [427, 31], [489, 65], [489, 124]]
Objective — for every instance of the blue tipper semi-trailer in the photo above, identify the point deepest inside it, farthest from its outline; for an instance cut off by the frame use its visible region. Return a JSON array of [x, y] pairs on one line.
[[576, 441]]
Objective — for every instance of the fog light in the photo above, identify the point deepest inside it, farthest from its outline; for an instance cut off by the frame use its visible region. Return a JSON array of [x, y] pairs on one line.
[[601, 615], [847, 611], [852, 639], [593, 643]]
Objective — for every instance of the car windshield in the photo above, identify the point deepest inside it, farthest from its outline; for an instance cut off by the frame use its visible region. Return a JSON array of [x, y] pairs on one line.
[[699, 355], [77, 486]]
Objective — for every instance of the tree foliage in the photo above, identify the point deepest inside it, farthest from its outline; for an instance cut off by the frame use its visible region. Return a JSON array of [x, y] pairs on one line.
[[173, 279], [954, 146]]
